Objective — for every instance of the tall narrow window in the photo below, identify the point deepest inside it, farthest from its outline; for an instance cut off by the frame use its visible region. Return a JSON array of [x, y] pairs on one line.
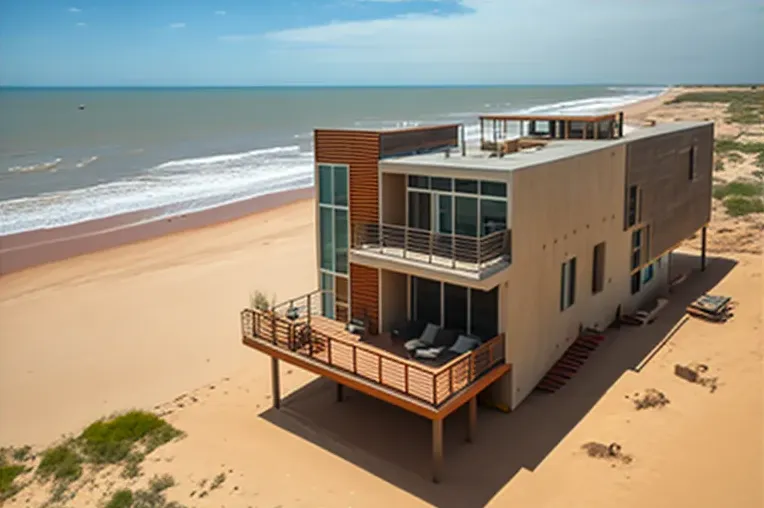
[[333, 234], [598, 268], [691, 164], [568, 284], [631, 206]]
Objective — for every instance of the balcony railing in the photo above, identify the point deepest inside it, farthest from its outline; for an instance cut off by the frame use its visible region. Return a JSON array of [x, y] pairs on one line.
[[449, 250], [430, 385]]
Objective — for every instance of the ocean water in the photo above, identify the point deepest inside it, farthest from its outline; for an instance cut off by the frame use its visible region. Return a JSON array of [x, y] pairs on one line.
[[190, 149]]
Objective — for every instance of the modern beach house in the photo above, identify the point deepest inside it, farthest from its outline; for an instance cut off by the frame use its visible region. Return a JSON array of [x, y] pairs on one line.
[[445, 269]]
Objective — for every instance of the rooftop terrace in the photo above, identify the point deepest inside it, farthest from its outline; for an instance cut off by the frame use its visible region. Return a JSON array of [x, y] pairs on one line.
[[545, 152]]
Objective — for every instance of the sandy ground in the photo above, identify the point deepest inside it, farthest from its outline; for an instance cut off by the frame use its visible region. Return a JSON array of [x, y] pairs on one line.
[[154, 325]]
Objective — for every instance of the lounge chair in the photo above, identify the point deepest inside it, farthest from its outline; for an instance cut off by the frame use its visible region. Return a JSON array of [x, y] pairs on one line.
[[448, 345], [425, 340]]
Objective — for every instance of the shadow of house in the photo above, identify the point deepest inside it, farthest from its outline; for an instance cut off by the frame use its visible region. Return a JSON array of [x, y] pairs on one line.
[[394, 444]]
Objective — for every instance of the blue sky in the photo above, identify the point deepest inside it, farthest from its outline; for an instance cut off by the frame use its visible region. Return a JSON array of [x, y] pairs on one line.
[[379, 42]]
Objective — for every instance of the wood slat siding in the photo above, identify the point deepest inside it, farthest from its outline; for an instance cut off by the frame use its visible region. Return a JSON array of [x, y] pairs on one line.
[[412, 140], [360, 151], [364, 291], [674, 206]]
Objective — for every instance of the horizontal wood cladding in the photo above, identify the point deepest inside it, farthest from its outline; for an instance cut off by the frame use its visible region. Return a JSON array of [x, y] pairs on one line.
[[364, 294], [360, 151], [412, 140], [675, 201]]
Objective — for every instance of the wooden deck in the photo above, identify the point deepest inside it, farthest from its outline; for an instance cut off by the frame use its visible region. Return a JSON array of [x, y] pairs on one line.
[[379, 362]]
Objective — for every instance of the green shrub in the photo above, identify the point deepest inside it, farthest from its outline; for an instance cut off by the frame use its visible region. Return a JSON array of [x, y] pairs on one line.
[[258, 300], [121, 499], [738, 188], [8, 473], [758, 174], [738, 206], [61, 462], [110, 441], [735, 157], [719, 165]]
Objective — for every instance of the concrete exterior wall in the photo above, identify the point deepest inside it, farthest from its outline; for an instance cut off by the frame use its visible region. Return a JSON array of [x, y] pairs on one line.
[[562, 210], [674, 205]]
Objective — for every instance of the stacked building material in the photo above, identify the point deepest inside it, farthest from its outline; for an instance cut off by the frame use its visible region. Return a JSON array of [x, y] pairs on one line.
[[715, 308]]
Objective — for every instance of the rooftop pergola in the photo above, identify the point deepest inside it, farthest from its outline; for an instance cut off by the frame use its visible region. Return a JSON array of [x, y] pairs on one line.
[[496, 128]]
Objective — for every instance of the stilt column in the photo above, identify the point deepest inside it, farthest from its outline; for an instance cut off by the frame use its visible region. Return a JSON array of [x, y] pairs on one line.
[[275, 383], [340, 393], [437, 450], [472, 422], [703, 250]]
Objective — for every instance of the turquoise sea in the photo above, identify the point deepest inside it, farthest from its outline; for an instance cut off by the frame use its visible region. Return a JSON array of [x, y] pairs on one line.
[[69, 155]]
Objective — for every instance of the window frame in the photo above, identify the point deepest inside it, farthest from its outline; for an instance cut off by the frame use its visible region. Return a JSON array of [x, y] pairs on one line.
[[332, 272]]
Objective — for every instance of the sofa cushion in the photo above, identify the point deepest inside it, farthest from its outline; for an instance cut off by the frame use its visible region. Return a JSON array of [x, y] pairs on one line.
[[429, 333], [464, 344], [445, 338]]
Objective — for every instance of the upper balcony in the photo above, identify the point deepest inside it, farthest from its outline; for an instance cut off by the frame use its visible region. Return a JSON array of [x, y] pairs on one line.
[[466, 257]]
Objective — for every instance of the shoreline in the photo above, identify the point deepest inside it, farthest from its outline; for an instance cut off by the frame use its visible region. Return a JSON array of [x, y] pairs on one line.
[[28, 249]]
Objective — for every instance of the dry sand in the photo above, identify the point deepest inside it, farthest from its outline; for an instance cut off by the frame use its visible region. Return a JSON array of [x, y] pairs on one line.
[[155, 324]]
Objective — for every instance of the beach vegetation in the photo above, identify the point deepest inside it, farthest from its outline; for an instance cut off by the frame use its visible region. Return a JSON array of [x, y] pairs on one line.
[[259, 300], [719, 165], [743, 106], [739, 188], [111, 441], [738, 206], [121, 499], [8, 474], [729, 146], [61, 462], [734, 157], [758, 174]]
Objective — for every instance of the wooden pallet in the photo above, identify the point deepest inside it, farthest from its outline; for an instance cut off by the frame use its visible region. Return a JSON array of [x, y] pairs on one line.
[[569, 364]]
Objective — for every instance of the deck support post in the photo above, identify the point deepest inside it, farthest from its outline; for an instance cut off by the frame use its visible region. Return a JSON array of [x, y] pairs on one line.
[[275, 382], [340, 392], [472, 422], [437, 450], [703, 249]]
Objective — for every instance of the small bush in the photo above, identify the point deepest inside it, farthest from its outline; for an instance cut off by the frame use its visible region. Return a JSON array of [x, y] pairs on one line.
[[719, 165], [61, 462], [110, 441], [21, 454], [8, 473], [217, 481], [133, 465], [758, 174], [735, 157], [738, 206], [161, 483], [121, 499], [258, 300], [739, 188]]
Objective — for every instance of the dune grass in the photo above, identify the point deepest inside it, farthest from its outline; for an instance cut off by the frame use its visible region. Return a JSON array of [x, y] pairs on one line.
[[741, 197], [732, 148], [8, 474], [111, 441], [743, 106], [62, 463]]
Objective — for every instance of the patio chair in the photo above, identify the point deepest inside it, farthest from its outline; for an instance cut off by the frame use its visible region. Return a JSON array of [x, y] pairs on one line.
[[426, 339]]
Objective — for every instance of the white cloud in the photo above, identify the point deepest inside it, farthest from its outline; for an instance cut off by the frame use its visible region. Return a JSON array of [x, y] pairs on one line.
[[74, 10], [220, 13], [81, 24], [177, 25]]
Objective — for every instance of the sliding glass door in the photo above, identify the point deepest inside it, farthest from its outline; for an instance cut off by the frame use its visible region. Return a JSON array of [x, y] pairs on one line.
[[455, 307]]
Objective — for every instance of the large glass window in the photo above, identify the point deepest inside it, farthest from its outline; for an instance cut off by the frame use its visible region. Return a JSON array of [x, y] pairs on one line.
[[455, 307], [419, 210], [325, 184], [341, 185], [341, 240], [333, 236], [425, 299], [493, 216], [327, 238], [445, 214], [484, 313], [466, 216]]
